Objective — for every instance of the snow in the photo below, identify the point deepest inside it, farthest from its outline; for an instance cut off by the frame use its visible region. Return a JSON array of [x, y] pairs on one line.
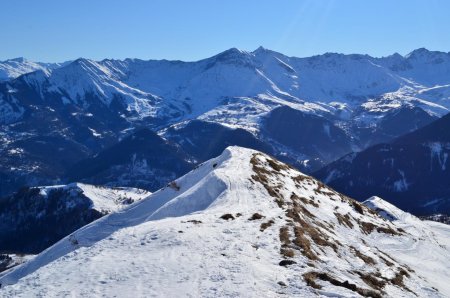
[[237, 88], [174, 243], [95, 133], [428, 253], [14, 151], [326, 129], [103, 198], [387, 210], [401, 184], [437, 152], [331, 176], [13, 68]]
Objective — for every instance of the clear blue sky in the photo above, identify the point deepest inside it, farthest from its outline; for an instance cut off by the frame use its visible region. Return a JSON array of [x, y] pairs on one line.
[[58, 30]]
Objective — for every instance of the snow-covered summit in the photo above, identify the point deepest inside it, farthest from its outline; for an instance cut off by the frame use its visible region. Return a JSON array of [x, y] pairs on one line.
[[241, 224]]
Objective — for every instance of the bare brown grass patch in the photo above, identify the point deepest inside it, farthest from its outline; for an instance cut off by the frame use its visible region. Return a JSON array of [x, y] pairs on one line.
[[266, 225]]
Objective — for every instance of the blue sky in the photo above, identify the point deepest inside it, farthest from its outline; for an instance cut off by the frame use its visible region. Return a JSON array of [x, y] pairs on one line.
[[57, 30]]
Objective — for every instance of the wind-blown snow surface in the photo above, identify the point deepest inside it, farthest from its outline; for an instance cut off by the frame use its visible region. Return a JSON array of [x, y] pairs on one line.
[[176, 243]]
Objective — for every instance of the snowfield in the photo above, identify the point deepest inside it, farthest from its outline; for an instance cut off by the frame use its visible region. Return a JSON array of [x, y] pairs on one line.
[[243, 225]]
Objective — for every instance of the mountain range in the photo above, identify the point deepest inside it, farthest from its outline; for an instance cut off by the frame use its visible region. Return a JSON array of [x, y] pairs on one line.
[[84, 120]]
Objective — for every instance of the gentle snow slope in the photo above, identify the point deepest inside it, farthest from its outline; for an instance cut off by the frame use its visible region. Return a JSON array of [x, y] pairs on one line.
[[176, 243]]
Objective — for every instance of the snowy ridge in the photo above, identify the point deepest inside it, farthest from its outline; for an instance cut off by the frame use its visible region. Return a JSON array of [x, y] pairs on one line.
[[104, 199], [334, 84], [387, 210], [225, 228], [13, 68], [84, 78]]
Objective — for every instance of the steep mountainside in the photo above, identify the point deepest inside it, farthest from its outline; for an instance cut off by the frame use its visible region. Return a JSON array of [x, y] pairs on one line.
[[142, 159], [204, 140], [35, 218], [316, 137], [243, 224], [412, 171]]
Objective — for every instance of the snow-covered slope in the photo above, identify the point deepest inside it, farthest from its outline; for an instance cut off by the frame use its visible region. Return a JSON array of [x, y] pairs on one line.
[[104, 199], [33, 219], [12, 68], [241, 224], [387, 210], [422, 250]]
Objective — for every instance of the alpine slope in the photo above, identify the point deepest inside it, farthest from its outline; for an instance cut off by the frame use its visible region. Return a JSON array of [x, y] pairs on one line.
[[244, 225]]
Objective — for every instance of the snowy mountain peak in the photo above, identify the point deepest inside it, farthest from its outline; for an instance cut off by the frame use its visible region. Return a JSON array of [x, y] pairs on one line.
[[13, 68], [262, 49], [86, 65], [423, 55], [234, 56], [240, 222], [83, 61], [417, 53], [84, 82], [18, 59], [395, 56]]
